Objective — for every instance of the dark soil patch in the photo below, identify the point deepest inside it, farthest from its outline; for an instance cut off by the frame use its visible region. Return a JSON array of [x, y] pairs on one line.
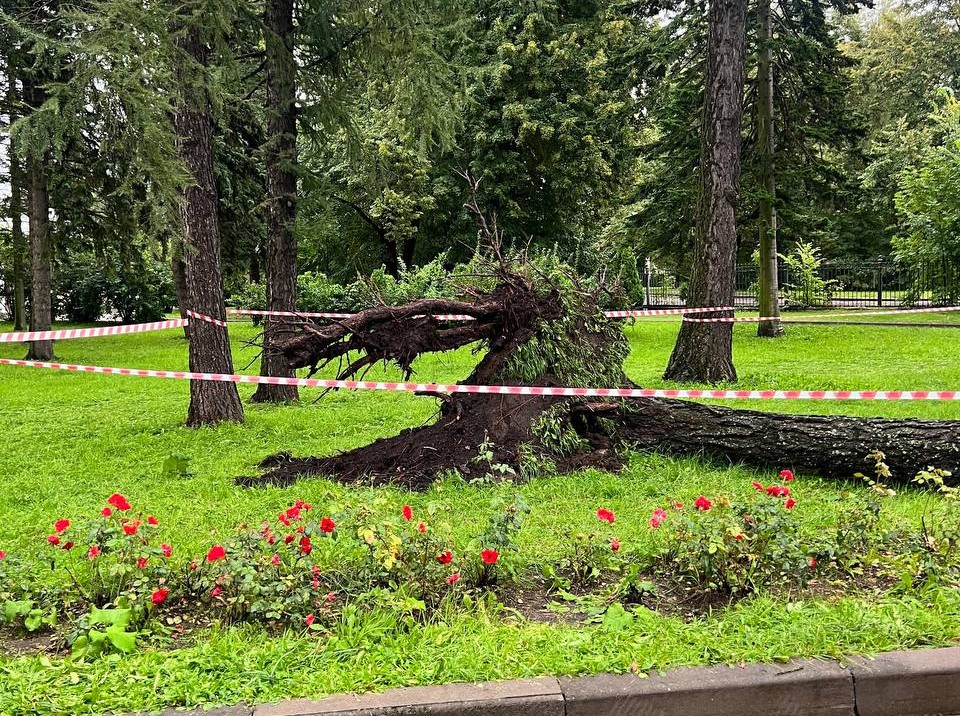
[[29, 646]]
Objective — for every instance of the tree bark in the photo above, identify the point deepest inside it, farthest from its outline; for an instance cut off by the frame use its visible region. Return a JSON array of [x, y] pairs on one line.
[[769, 280], [41, 251], [834, 446], [178, 269], [19, 246], [209, 348], [281, 158], [704, 351]]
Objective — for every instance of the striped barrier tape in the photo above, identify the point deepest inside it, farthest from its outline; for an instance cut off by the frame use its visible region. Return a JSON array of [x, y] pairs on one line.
[[208, 319], [872, 314], [67, 334], [504, 389], [460, 317]]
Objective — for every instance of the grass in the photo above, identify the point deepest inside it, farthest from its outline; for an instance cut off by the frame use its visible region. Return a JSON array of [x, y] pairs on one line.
[[70, 440]]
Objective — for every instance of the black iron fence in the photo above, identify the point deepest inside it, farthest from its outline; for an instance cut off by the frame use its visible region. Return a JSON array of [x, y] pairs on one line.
[[865, 284]]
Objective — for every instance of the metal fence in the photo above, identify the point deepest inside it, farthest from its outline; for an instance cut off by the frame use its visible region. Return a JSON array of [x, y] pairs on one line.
[[865, 284]]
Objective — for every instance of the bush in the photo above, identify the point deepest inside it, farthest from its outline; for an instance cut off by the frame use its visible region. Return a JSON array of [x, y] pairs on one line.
[[806, 288], [86, 290]]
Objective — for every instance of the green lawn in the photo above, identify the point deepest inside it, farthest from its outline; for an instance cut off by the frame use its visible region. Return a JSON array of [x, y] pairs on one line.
[[70, 440]]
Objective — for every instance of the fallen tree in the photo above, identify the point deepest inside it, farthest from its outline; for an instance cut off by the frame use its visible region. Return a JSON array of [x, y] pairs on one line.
[[540, 327]]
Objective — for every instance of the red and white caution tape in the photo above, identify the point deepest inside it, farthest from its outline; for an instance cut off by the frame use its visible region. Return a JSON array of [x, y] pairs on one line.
[[208, 319], [504, 389], [67, 334], [815, 317], [733, 319], [461, 317]]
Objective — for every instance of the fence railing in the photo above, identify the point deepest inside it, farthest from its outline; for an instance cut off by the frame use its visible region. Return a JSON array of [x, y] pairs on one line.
[[864, 284]]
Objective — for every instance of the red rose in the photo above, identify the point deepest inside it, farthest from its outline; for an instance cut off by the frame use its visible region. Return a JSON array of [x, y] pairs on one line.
[[293, 513], [615, 544], [739, 537], [812, 563], [786, 475], [151, 520], [3, 555], [106, 512], [94, 552], [142, 563], [605, 515], [678, 505], [489, 556], [422, 528], [131, 528], [445, 557], [54, 540], [702, 503], [68, 546], [330, 597], [216, 591], [790, 503], [289, 538], [407, 513], [167, 550], [453, 579], [216, 552], [276, 560], [309, 620], [327, 525], [60, 526], [283, 519], [757, 486], [159, 596], [305, 546], [118, 501]]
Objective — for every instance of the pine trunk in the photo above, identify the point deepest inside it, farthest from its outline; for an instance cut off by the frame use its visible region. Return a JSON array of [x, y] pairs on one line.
[[834, 446], [704, 351], [178, 270], [281, 158], [19, 246], [769, 283], [209, 348]]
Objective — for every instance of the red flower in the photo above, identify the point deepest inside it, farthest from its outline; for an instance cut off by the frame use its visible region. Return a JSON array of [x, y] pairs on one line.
[[294, 512], [94, 552], [407, 513], [489, 556], [615, 544], [327, 525], [151, 520], [216, 591], [118, 501], [330, 597], [778, 491], [131, 528], [445, 557], [305, 546], [289, 538], [658, 518], [142, 563], [605, 515], [453, 579], [812, 563], [68, 546], [283, 519], [790, 503], [167, 550], [422, 528], [678, 505], [216, 552], [106, 512], [702, 503], [159, 596], [276, 560], [54, 540], [3, 555], [309, 620], [738, 537], [301, 529], [60, 526], [786, 475], [757, 486]]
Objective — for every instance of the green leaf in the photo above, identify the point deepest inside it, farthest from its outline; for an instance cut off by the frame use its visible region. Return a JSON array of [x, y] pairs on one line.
[[122, 640], [110, 617]]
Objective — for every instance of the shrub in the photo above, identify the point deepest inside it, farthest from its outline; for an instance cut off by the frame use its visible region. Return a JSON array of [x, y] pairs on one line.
[[807, 289]]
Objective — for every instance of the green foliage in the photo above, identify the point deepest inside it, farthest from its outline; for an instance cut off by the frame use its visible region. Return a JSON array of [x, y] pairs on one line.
[[807, 288]]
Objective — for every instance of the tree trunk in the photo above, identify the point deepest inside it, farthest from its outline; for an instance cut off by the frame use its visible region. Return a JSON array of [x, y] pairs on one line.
[[19, 246], [178, 269], [769, 283], [281, 158], [209, 348], [41, 303], [704, 351], [834, 446]]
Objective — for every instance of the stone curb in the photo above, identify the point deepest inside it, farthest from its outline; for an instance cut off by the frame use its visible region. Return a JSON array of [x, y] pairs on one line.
[[904, 683]]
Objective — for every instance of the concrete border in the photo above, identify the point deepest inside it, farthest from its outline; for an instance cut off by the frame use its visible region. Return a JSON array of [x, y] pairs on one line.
[[903, 683]]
